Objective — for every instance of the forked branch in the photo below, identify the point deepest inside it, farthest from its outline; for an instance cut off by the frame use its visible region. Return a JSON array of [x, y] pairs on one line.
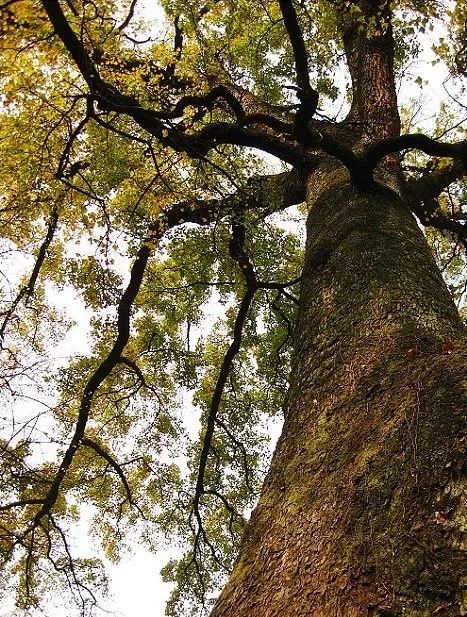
[[27, 290], [307, 95], [237, 252], [101, 373], [196, 145]]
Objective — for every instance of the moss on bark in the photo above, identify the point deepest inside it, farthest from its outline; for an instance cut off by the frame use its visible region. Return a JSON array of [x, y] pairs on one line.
[[364, 509]]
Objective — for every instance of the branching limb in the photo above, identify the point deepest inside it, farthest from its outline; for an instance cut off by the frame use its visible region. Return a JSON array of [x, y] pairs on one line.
[[252, 104], [64, 159], [21, 504], [103, 370], [135, 368], [196, 145], [414, 141], [238, 254], [251, 287], [307, 95], [139, 373], [90, 443], [238, 444], [28, 289], [434, 182], [288, 189], [282, 288], [268, 194], [422, 197], [129, 17], [280, 118], [204, 101]]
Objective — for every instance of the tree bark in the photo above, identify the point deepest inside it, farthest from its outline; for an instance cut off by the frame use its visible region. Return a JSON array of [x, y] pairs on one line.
[[369, 50], [364, 509]]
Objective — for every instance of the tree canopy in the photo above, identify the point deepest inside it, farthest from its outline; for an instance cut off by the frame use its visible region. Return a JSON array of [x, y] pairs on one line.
[[151, 169]]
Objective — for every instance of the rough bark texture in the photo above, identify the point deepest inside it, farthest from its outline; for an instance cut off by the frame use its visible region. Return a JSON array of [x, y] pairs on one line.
[[364, 509], [369, 50]]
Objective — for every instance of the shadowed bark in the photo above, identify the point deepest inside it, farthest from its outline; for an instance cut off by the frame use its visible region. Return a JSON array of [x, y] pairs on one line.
[[364, 509]]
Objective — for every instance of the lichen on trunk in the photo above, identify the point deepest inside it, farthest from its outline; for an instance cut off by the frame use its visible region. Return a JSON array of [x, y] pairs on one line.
[[364, 509]]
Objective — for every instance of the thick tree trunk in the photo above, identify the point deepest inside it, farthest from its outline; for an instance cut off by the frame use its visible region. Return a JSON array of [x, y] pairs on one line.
[[364, 509]]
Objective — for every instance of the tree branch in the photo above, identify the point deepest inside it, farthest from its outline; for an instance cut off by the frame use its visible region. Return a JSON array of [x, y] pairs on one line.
[[196, 145], [104, 369], [21, 503], [283, 190], [64, 159], [434, 182], [422, 196], [307, 95], [28, 289], [268, 193], [129, 17], [90, 443], [374, 153], [206, 100], [251, 286]]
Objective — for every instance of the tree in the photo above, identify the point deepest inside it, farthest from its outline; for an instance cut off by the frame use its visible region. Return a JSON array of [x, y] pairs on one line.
[[141, 150]]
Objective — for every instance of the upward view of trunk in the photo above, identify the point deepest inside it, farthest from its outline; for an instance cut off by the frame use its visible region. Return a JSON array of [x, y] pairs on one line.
[[364, 509]]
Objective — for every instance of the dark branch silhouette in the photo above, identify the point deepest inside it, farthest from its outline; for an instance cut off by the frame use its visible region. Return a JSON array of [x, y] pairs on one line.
[[27, 290], [307, 95], [129, 17], [102, 372]]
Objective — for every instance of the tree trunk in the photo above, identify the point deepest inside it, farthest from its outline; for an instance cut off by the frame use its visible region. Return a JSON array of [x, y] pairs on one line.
[[364, 509]]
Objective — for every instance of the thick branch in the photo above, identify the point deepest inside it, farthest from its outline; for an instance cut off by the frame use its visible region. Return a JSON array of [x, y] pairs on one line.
[[435, 182], [251, 104], [103, 370], [268, 194], [292, 26], [196, 145], [374, 153], [20, 504], [251, 286], [422, 197], [207, 101], [129, 17], [112, 462], [72, 43], [237, 252], [307, 95]]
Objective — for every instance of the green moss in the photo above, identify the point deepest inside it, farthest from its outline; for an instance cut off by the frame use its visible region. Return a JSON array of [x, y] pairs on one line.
[[369, 479]]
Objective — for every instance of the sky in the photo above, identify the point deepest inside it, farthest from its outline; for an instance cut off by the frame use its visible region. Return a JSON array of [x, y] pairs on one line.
[[136, 588], [135, 583]]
